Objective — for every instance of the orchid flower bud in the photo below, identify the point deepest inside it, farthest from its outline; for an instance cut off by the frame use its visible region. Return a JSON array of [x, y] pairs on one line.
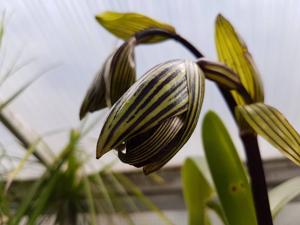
[[115, 77], [152, 121]]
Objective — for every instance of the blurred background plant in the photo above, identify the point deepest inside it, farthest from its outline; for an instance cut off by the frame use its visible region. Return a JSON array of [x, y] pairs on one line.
[[220, 182], [65, 193]]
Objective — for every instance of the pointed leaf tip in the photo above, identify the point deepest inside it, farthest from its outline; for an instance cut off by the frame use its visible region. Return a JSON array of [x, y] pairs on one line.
[[220, 17], [282, 194], [195, 186], [233, 51]]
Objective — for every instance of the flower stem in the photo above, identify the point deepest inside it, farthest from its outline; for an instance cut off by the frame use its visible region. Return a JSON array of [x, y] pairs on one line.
[[140, 36], [256, 171], [254, 161]]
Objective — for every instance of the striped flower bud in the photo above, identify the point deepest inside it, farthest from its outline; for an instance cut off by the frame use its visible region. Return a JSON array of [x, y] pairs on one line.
[[116, 76], [154, 119]]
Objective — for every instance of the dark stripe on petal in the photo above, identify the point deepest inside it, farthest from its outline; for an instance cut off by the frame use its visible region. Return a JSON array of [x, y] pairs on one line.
[[140, 150], [166, 99], [195, 78]]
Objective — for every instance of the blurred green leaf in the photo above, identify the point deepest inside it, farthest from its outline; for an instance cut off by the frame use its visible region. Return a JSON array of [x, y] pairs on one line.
[[39, 194], [104, 191], [4, 205], [23, 88], [268, 122], [14, 67], [125, 25], [28, 200], [214, 205], [228, 173], [2, 28], [233, 51], [197, 191], [42, 201], [131, 187], [20, 165], [90, 200], [283, 194]]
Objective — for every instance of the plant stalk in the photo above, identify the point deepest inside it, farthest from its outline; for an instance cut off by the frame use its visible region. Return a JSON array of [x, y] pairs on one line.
[[255, 168], [254, 161], [21, 137], [256, 171]]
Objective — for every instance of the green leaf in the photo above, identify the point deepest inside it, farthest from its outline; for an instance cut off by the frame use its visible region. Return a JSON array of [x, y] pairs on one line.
[[125, 25], [90, 200], [21, 164], [2, 29], [132, 188], [14, 68], [115, 77], [23, 88], [207, 220], [228, 173], [196, 190], [39, 194], [41, 203], [283, 194], [274, 127], [233, 51], [17, 93], [215, 206], [99, 181]]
